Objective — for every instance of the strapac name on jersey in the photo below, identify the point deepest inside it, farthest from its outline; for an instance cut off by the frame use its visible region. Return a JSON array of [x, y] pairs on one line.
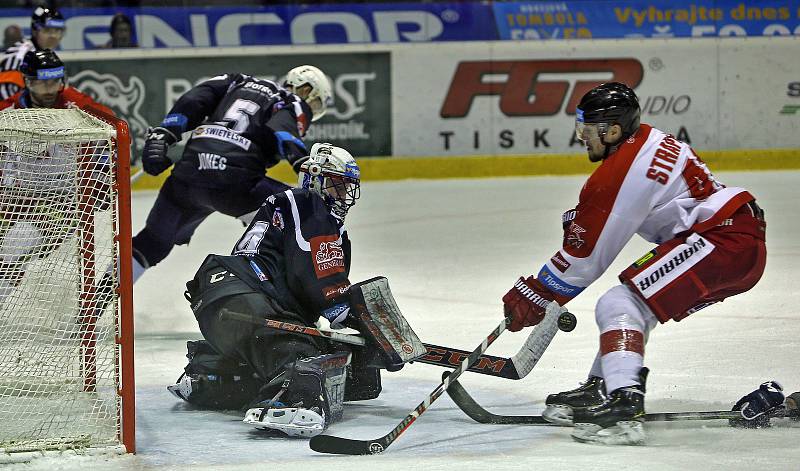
[[221, 134]]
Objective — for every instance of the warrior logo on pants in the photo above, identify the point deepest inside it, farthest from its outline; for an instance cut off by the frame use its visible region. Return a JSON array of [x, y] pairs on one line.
[[672, 265]]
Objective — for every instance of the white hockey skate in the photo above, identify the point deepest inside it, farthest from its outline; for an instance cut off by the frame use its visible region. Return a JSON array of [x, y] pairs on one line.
[[293, 421]]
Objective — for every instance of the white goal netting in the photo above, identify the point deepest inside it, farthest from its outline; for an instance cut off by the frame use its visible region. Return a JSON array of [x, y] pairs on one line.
[[59, 323]]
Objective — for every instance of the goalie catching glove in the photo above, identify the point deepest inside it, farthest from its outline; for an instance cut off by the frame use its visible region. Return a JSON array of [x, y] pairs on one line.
[[337, 315], [154, 153]]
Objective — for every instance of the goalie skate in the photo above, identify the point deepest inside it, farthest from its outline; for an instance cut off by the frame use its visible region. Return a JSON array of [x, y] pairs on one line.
[[293, 421]]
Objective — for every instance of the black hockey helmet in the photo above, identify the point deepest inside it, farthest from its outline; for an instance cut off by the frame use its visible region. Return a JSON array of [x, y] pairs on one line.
[[44, 17], [42, 64], [610, 103]]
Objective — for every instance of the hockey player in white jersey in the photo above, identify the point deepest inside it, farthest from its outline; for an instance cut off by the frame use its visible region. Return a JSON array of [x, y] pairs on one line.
[[709, 246]]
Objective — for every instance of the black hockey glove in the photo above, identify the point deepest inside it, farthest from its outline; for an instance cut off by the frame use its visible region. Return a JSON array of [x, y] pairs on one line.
[[154, 154], [757, 405]]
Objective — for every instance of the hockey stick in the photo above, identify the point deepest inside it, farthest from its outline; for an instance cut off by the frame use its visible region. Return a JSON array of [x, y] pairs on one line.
[[139, 174], [344, 446], [476, 412], [289, 327], [538, 341], [519, 365], [436, 355]]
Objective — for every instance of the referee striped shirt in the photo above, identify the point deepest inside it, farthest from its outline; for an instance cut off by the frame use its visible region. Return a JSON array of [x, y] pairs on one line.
[[11, 79]]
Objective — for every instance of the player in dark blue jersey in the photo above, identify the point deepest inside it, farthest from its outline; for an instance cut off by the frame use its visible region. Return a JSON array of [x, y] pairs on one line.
[[292, 264], [240, 126]]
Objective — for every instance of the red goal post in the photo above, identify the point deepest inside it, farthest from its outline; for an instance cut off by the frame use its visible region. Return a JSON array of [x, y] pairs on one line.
[[66, 306], [127, 429]]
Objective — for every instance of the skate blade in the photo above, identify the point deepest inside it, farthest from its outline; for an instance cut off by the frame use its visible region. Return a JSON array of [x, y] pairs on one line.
[[559, 415], [624, 433]]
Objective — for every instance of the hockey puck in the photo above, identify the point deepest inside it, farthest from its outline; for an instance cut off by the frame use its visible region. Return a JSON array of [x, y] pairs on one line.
[[567, 321]]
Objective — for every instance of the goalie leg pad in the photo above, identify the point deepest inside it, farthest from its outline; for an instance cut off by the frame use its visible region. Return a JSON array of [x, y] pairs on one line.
[[213, 381], [363, 381], [309, 399]]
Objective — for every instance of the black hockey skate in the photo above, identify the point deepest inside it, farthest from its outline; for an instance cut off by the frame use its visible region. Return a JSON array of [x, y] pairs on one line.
[[617, 421], [561, 406]]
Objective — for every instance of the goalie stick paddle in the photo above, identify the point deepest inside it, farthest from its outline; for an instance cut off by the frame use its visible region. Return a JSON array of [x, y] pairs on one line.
[[479, 414], [344, 446], [447, 357], [289, 327]]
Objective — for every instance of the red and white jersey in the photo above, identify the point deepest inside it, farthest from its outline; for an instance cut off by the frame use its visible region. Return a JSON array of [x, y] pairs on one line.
[[654, 186]]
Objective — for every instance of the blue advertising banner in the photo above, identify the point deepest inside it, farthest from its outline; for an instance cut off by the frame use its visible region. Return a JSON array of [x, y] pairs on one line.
[[646, 19], [335, 23]]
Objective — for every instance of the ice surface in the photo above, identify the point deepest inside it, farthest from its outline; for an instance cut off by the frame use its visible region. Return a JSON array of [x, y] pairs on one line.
[[450, 250]]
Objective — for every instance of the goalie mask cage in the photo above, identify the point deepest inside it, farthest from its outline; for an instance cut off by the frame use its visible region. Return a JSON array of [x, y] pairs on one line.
[[66, 326]]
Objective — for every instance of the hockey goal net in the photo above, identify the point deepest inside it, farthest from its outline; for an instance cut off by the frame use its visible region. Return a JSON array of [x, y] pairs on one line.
[[66, 328]]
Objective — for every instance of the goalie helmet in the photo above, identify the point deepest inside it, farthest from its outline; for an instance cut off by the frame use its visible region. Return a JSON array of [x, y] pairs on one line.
[[320, 96], [44, 17], [332, 173], [605, 105]]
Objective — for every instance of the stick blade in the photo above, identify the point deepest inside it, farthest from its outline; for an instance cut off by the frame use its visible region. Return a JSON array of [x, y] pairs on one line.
[[476, 412], [345, 446]]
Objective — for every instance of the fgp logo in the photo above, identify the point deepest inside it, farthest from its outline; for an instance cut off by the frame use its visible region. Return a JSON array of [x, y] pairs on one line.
[[521, 91]]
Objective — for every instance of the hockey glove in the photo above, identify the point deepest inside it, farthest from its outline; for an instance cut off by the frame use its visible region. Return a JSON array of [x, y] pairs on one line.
[[337, 315], [757, 405], [154, 154], [524, 304]]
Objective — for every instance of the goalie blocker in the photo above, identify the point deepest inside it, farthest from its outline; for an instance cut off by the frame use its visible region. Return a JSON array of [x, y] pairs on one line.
[[377, 317]]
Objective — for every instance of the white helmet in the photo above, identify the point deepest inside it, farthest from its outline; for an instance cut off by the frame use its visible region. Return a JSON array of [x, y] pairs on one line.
[[332, 173], [320, 96]]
